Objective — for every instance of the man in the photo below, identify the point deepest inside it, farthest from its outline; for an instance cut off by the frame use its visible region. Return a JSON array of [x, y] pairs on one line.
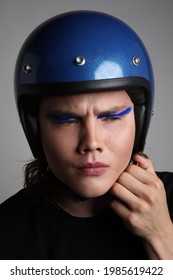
[[84, 91]]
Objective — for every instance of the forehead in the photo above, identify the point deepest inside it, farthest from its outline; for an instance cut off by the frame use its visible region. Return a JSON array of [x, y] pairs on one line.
[[102, 100]]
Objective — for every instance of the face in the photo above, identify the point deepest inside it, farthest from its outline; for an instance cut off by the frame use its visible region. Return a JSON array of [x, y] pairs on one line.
[[88, 139]]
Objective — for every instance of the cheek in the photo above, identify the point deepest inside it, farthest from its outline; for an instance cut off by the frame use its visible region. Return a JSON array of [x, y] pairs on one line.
[[122, 143], [56, 145], [128, 139], [123, 136]]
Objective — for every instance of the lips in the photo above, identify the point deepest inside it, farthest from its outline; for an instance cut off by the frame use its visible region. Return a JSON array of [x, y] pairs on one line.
[[93, 169]]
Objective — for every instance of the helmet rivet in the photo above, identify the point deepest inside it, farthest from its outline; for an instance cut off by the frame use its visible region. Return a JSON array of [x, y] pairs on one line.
[[27, 68], [80, 60], [136, 61]]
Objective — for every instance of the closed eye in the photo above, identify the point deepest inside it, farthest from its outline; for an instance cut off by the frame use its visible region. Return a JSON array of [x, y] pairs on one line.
[[115, 116], [71, 118], [62, 119]]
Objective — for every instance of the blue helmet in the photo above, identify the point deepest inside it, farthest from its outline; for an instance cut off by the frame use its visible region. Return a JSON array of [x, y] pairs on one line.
[[82, 51]]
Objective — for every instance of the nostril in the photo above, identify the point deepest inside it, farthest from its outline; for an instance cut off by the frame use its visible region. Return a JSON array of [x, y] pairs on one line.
[[89, 149]]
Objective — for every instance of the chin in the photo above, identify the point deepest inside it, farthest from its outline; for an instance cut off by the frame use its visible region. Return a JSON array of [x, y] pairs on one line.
[[90, 188], [93, 193]]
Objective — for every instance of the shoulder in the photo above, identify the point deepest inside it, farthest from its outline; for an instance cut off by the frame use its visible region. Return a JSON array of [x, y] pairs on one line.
[[14, 207], [164, 174], [14, 220], [22, 210], [167, 179], [20, 225], [13, 201]]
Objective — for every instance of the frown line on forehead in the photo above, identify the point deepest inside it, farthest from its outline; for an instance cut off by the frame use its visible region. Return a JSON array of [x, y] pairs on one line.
[[72, 111], [98, 103]]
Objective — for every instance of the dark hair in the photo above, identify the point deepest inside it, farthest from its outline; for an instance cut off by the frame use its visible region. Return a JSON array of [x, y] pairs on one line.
[[35, 172], [39, 181], [42, 185]]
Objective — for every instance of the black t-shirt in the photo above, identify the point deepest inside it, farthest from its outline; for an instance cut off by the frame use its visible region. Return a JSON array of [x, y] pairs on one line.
[[44, 231]]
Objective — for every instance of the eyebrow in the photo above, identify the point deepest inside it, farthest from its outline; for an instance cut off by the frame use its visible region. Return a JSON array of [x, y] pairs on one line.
[[65, 114]]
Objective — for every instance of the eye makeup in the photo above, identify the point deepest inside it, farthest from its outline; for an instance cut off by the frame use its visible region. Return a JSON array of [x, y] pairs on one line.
[[61, 118], [116, 115], [56, 117]]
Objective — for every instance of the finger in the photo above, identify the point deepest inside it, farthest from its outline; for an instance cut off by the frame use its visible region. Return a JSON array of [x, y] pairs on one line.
[[141, 175], [142, 184], [144, 162], [131, 183], [126, 196]]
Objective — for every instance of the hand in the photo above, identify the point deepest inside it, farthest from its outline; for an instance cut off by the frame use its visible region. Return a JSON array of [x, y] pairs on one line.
[[140, 200]]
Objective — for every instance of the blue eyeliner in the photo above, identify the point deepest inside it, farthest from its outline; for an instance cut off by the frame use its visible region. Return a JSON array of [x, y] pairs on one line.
[[60, 118], [120, 114]]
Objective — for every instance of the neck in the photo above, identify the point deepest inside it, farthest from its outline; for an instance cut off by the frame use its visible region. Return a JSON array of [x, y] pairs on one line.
[[83, 208]]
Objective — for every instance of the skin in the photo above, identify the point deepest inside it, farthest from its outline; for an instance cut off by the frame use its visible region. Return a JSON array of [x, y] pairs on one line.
[[141, 203], [138, 195], [68, 146]]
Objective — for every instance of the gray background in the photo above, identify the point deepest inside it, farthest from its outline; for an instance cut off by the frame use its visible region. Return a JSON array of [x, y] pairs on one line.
[[151, 19]]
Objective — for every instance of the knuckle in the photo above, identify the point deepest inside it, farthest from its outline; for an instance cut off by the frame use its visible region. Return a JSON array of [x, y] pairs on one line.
[[140, 207], [130, 168], [150, 197], [132, 220], [158, 184], [157, 187]]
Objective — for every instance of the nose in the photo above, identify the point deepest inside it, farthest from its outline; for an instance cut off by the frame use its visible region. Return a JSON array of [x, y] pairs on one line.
[[91, 137]]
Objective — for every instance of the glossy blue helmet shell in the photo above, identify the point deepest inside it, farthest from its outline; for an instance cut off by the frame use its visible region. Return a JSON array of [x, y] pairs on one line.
[[83, 51]]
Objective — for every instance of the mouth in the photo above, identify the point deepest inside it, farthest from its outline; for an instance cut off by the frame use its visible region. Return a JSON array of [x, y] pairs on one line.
[[93, 169]]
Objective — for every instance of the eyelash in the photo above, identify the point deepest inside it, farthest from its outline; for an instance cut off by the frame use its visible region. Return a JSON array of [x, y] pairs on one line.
[[63, 120], [109, 118], [115, 116]]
